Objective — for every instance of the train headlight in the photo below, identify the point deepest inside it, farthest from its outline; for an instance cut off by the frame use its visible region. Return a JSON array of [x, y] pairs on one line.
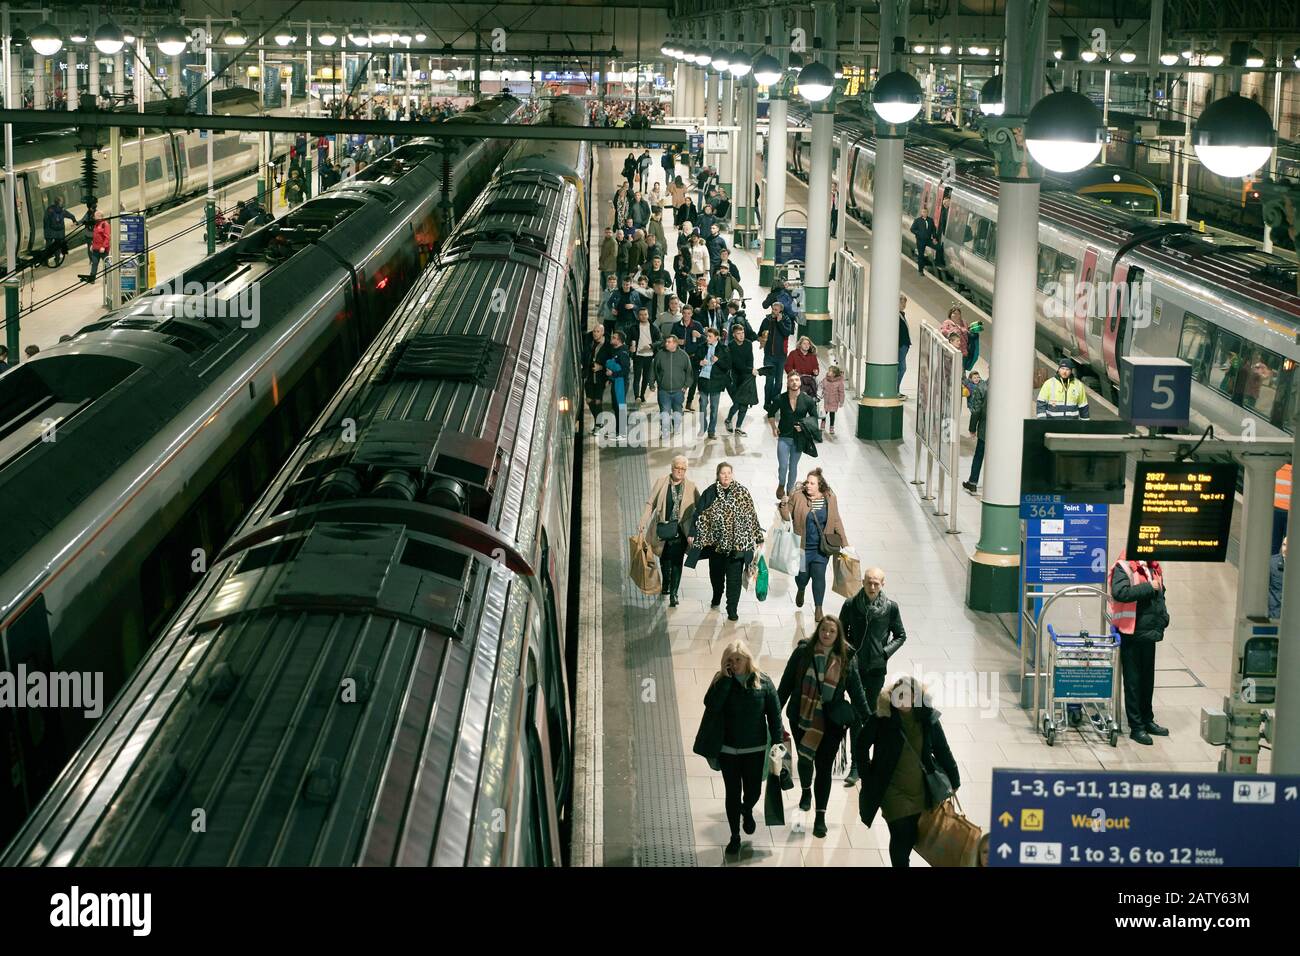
[[1234, 136], [896, 97], [1064, 131], [991, 101]]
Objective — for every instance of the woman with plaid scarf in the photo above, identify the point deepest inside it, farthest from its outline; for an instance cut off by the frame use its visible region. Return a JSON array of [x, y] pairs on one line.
[[824, 695]]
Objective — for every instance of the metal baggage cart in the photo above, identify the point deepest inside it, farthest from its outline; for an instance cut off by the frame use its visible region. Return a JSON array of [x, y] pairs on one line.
[[1082, 670]]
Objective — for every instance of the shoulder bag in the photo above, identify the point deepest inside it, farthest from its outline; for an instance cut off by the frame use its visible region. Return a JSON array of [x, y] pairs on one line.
[[831, 543], [669, 530], [938, 788]]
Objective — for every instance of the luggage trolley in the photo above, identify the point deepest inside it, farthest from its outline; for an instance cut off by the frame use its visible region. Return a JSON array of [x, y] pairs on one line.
[[1082, 669]]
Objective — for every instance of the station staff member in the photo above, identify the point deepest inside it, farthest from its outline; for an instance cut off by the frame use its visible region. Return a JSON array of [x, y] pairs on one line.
[[1281, 504], [1063, 396], [1138, 610]]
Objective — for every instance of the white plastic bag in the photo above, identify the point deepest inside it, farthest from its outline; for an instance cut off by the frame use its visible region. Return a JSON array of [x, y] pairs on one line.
[[783, 548]]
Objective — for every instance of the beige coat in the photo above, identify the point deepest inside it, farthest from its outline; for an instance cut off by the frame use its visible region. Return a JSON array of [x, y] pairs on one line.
[[796, 510], [654, 509]]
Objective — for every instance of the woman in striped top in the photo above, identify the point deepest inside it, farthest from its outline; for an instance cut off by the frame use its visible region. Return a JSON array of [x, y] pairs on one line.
[[815, 513]]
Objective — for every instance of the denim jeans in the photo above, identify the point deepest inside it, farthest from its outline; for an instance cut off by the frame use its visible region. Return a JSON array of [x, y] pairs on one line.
[[787, 463], [977, 462], [902, 364], [95, 259], [773, 382], [670, 410], [709, 402], [814, 569]]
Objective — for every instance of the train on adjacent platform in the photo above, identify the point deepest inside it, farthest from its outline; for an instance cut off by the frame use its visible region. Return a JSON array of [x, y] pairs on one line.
[[1130, 284], [129, 453], [373, 670]]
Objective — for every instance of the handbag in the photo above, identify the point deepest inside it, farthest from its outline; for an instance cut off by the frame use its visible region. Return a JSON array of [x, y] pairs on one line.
[[830, 543], [848, 575], [760, 581], [938, 787], [946, 837], [667, 530], [783, 548], [643, 569], [693, 556]]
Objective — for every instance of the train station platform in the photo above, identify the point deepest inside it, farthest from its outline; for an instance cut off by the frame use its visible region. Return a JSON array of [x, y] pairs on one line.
[[643, 798]]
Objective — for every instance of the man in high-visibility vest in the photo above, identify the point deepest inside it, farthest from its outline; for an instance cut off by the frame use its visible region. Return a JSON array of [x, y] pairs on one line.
[[1063, 396], [1138, 611], [1281, 504]]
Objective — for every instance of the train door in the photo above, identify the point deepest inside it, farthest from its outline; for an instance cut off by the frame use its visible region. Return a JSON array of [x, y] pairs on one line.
[[1083, 303], [23, 213], [177, 163], [172, 163], [1126, 292], [32, 736]]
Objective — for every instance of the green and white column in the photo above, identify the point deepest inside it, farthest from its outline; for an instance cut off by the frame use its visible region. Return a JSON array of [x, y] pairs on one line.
[[817, 270], [773, 196], [747, 119], [880, 410], [994, 581]]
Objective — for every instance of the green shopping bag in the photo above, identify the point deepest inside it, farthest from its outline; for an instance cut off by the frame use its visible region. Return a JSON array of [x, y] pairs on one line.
[[760, 583]]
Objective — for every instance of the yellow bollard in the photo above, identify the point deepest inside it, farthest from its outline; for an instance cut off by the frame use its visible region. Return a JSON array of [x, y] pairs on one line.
[[153, 269]]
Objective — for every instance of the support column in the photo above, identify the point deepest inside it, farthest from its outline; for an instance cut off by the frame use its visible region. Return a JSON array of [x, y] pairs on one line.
[[177, 77], [1286, 733], [727, 161], [817, 313], [38, 81], [994, 579], [11, 184], [73, 87], [880, 409], [774, 187], [92, 76], [743, 195]]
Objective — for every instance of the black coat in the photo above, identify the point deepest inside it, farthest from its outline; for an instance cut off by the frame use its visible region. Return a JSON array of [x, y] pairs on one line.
[[787, 417], [791, 689], [738, 363], [595, 382], [924, 231], [879, 746], [751, 716], [874, 638], [1152, 614]]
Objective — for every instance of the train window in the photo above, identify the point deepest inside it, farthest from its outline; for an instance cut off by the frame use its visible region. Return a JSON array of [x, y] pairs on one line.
[[1261, 381], [231, 502], [1194, 346], [1047, 257], [1226, 364], [153, 170], [985, 241]]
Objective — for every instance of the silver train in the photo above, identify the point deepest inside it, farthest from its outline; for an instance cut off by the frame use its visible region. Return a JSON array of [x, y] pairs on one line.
[[1229, 309], [373, 671], [48, 165], [128, 454]]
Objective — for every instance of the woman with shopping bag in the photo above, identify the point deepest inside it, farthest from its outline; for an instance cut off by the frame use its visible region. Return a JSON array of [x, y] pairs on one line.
[[668, 514], [745, 699], [726, 530], [823, 697], [907, 767], [814, 512]]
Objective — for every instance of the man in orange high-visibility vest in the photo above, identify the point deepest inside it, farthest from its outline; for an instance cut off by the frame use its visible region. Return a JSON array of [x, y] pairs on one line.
[[1137, 609], [1281, 505]]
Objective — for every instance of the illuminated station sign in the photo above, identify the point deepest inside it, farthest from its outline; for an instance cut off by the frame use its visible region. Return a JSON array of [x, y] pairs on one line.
[[1182, 511]]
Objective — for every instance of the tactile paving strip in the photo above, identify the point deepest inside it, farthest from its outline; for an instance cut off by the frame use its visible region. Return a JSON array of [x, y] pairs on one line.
[[664, 832]]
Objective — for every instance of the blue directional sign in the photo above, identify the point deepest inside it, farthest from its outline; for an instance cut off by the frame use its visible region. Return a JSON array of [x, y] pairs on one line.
[[1041, 506], [1069, 549], [130, 237], [791, 244], [696, 141], [1158, 391], [1093, 818]]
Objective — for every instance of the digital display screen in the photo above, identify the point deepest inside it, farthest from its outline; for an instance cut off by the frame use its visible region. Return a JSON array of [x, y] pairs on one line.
[[1182, 511]]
